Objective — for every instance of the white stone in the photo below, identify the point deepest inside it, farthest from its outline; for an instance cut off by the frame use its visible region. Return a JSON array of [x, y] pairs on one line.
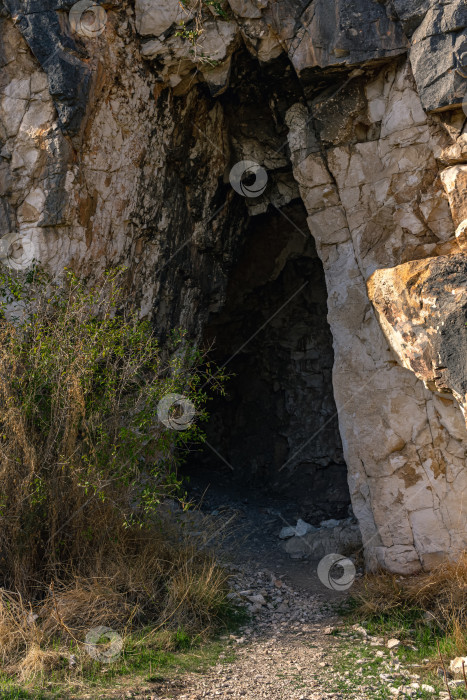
[[302, 528], [18, 89], [461, 235], [456, 664], [154, 17], [329, 523], [393, 643], [287, 532]]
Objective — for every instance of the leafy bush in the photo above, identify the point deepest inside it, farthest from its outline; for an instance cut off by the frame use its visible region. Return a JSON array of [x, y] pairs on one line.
[[84, 458]]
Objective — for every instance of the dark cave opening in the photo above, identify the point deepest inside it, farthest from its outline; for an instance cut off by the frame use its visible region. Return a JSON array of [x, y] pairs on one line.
[[276, 432]]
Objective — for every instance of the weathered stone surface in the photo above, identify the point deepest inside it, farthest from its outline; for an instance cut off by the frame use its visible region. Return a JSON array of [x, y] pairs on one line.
[[375, 204], [410, 13], [117, 149], [455, 183], [58, 54], [438, 53], [346, 539], [422, 307], [154, 18], [345, 32]]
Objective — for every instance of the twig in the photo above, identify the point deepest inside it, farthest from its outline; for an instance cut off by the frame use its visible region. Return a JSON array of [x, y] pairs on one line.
[[59, 619], [444, 670], [463, 673]]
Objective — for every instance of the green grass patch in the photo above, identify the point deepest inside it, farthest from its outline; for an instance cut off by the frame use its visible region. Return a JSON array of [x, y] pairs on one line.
[[417, 655], [144, 662]]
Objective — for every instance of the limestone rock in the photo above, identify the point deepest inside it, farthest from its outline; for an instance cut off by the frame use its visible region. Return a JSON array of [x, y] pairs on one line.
[[287, 532], [326, 541], [117, 149], [441, 33], [455, 183], [155, 17], [422, 307], [343, 33], [456, 664], [248, 8], [393, 643], [461, 235]]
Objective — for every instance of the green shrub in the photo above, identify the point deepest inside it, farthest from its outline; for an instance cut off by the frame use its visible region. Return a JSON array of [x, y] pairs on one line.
[[83, 455]]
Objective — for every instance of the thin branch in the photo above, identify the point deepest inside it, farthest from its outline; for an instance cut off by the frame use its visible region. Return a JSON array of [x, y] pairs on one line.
[[444, 670]]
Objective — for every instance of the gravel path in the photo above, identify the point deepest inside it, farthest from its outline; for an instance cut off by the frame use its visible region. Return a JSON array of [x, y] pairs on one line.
[[286, 650], [280, 655]]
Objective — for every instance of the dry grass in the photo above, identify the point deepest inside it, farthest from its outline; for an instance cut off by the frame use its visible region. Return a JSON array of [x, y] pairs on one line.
[[148, 581], [89, 532], [441, 594]]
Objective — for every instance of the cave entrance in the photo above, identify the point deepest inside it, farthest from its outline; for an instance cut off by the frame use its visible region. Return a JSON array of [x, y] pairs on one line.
[[277, 432]]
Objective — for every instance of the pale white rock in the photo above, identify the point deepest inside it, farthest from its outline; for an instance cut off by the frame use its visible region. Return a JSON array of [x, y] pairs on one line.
[[302, 528], [455, 665], [269, 48], [12, 113], [154, 17], [31, 208], [377, 109], [461, 235], [393, 643], [287, 532], [216, 40], [379, 185], [18, 89], [329, 523], [39, 81]]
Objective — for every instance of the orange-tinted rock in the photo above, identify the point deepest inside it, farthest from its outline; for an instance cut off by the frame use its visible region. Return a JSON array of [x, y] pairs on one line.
[[422, 307]]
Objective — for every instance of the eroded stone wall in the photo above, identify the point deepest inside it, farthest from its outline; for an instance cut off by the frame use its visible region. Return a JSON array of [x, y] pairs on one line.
[[116, 148], [376, 202]]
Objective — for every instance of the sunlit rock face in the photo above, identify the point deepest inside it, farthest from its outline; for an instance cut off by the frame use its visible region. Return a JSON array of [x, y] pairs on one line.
[[422, 308], [117, 140]]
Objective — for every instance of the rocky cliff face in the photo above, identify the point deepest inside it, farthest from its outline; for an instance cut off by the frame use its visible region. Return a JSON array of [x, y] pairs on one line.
[[117, 141]]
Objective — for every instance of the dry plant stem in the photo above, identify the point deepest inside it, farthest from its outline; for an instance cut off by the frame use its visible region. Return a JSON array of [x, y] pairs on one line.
[[444, 670], [59, 619], [463, 673]]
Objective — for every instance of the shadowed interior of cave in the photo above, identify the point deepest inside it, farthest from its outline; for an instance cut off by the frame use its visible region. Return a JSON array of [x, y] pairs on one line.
[[276, 432]]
